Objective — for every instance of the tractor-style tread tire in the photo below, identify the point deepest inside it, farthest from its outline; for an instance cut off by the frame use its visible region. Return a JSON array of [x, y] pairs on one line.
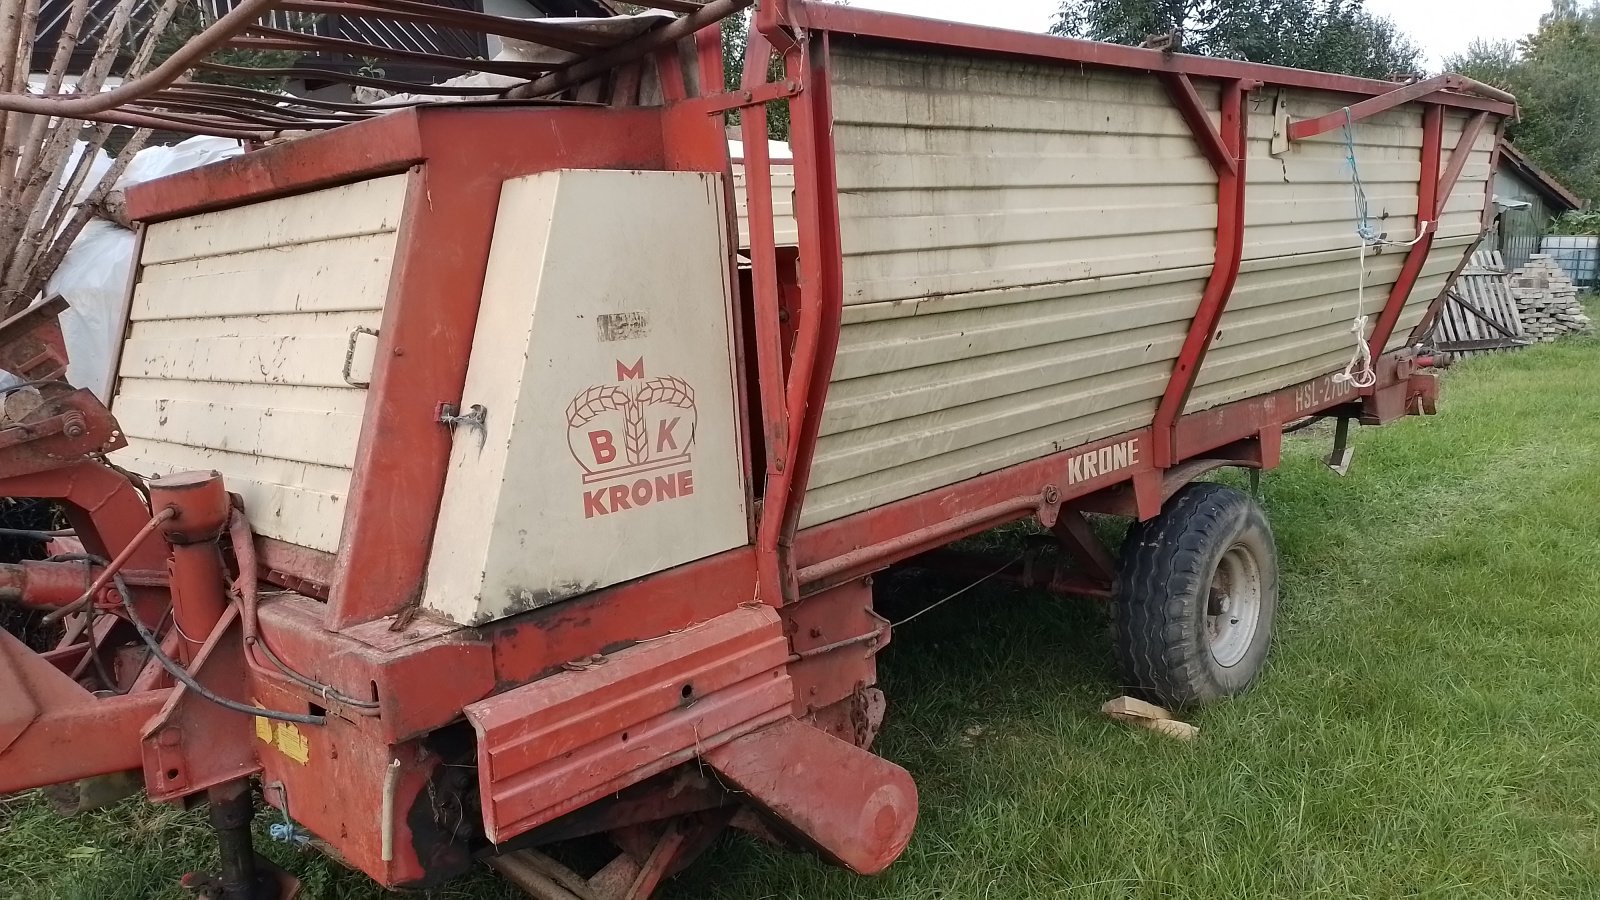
[[1162, 592]]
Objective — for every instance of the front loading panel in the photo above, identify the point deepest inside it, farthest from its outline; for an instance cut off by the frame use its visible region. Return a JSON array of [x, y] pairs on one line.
[[597, 439]]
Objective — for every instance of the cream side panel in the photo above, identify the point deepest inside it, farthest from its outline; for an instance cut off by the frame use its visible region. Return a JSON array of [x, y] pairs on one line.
[[339, 275], [242, 324], [295, 502], [785, 228], [1290, 316], [1024, 246], [366, 207], [610, 448]]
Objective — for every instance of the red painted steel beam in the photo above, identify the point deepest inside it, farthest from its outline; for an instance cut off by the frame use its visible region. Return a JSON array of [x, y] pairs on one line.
[[1430, 89], [767, 302], [1205, 132], [957, 36], [906, 528], [1459, 158], [1231, 185], [53, 731], [821, 312], [1429, 204], [382, 146], [1299, 131], [1437, 306]]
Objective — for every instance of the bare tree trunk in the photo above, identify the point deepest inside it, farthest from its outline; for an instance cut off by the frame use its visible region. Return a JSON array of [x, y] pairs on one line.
[[40, 210]]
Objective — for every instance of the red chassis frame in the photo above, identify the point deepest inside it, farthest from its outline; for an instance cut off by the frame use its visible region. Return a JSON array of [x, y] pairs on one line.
[[789, 679]]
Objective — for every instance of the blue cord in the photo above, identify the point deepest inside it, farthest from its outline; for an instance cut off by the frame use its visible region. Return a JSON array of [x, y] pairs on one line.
[[1364, 227], [286, 833]]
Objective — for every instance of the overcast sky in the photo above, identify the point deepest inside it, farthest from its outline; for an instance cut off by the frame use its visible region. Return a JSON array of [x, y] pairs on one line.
[[1441, 27]]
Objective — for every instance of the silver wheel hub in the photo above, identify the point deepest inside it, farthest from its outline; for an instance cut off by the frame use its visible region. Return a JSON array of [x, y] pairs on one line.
[[1234, 607]]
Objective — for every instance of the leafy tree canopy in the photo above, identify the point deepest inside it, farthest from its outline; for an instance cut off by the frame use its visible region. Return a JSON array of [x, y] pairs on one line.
[[1325, 35], [1555, 73]]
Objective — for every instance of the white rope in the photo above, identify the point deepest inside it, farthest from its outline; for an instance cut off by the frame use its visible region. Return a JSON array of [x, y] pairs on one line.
[[935, 605], [1360, 372]]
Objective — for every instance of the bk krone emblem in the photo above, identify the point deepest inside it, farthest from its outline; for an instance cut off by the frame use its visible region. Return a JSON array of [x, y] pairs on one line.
[[636, 426]]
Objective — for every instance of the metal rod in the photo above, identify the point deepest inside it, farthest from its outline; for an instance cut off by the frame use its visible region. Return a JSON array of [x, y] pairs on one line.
[[232, 809], [637, 48], [885, 553], [116, 564], [170, 70]]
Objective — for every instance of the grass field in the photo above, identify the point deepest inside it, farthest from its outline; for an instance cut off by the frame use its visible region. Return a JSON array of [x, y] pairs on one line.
[[1426, 728]]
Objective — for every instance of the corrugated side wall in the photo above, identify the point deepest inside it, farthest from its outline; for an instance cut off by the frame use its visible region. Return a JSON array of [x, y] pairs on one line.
[[1024, 248], [1291, 313], [240, 327]]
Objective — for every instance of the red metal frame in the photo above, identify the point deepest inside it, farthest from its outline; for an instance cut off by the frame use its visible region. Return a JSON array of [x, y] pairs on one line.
[[1234, 143], [1429, 206], [391, 741], [821, 16]]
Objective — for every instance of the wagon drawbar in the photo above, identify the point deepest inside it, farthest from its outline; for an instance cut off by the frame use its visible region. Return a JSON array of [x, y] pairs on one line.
[[483, 476]]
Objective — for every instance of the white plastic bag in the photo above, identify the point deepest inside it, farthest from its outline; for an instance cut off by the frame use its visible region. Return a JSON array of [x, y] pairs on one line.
[[93, 276]]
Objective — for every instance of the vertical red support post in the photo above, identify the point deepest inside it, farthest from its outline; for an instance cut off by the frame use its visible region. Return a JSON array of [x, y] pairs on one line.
[[198, 580], [822, 294], [766, 302], [1428, 209], [1234, 132]]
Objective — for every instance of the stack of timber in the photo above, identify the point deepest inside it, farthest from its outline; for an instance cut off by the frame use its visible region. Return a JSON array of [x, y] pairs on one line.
[[1547, 300]]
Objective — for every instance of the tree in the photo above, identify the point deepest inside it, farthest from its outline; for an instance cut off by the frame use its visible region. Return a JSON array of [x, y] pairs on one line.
[[735, 36], [1555, 73], [1491, 62], [1326, 35]]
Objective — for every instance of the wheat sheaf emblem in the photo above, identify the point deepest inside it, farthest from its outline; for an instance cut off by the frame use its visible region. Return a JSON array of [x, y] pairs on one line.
[[666, 391]]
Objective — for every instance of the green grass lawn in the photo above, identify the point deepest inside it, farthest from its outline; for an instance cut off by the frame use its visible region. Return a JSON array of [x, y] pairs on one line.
[[1429, 725]]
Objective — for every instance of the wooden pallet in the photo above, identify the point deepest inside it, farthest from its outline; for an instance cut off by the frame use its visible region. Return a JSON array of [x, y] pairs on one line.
[[1480, 315]]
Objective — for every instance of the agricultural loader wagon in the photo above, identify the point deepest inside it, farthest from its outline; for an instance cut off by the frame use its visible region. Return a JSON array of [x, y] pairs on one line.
[[469, 485]]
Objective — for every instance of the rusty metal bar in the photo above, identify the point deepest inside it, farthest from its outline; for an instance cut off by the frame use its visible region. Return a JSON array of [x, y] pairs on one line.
[[1428, 206], [170, 70], [1231, 189], [1357, 111], [533, 30], [280, 39], [388, 84], [1459, 157], [1205, 132], [767, 303], [639, 47]]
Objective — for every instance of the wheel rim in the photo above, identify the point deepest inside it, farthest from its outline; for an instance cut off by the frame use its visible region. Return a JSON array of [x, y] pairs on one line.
[[1234, 607]]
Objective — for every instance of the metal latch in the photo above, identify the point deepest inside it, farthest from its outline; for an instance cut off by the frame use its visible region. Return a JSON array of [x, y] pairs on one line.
[[359, 355], [451, 416]]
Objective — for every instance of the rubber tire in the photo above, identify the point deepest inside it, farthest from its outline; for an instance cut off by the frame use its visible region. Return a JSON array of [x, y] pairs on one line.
[[1163, 587]]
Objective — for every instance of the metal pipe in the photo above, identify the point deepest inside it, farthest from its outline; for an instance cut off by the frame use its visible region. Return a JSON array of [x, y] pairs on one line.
[[938, 534], [170, 70], [139, 537], [391, 787], [200, 509], [232, 808], [638, 48]]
